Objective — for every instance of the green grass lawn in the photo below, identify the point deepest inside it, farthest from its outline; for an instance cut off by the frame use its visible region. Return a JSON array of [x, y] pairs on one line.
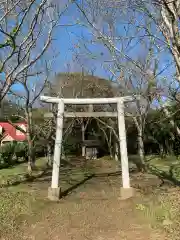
[[19, 172], [163, 164], [168, 168], [14, 204], [26, 202]]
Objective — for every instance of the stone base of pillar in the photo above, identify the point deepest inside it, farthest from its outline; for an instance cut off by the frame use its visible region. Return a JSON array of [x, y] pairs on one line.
[[54, 194], [127, 193]]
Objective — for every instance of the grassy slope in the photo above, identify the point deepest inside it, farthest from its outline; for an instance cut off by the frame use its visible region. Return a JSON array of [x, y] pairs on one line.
[[21, 202], [14, 204], [18, 204], [163, 163], [161, 208]]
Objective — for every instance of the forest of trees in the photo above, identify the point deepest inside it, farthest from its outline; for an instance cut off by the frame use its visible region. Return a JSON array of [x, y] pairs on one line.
[[136, 45], [159, 137]]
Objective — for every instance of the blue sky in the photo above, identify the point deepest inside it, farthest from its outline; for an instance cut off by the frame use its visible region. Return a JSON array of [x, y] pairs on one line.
[[66, 44], [67, 38]]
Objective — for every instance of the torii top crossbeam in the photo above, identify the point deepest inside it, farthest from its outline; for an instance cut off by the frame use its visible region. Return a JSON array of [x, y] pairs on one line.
[[89, 100]]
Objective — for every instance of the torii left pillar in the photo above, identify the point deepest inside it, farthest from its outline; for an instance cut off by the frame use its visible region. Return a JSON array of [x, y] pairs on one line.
[[54, 191]]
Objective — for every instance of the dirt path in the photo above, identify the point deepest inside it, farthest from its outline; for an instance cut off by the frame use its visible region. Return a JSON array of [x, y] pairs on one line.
[[94, 211]]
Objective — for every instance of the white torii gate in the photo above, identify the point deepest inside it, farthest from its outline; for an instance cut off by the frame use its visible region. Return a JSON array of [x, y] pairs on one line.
[[54, 190]]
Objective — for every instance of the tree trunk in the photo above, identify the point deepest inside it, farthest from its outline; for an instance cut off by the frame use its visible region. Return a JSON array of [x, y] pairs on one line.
[[141, 146], [173, 124], [169, 150], [83, 138], [31, 156], [162, 152], [49, 155], [116, 151], [140, 163]]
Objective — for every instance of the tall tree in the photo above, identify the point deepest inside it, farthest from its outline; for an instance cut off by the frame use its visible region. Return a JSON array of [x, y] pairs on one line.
[[26, 37], [165, 15], [118, 30], [26, 31]]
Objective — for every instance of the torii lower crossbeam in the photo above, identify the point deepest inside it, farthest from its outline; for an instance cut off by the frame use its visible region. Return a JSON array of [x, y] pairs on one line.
[[126, 190]]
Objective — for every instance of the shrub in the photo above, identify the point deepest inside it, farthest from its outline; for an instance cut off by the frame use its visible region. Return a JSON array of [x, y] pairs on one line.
[[21, 151], [12, 153], [7, 154], [39, 148]]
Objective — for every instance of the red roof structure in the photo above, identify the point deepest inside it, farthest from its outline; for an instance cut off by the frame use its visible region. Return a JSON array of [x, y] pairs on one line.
[[11, 132]]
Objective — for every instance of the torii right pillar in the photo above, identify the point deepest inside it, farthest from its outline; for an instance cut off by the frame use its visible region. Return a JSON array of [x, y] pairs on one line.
[[126, 190]]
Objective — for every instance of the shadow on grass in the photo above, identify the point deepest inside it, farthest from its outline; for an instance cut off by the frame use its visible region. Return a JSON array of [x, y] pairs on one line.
[[108, 174], [116, 173], [75, 186], [91, 176]]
